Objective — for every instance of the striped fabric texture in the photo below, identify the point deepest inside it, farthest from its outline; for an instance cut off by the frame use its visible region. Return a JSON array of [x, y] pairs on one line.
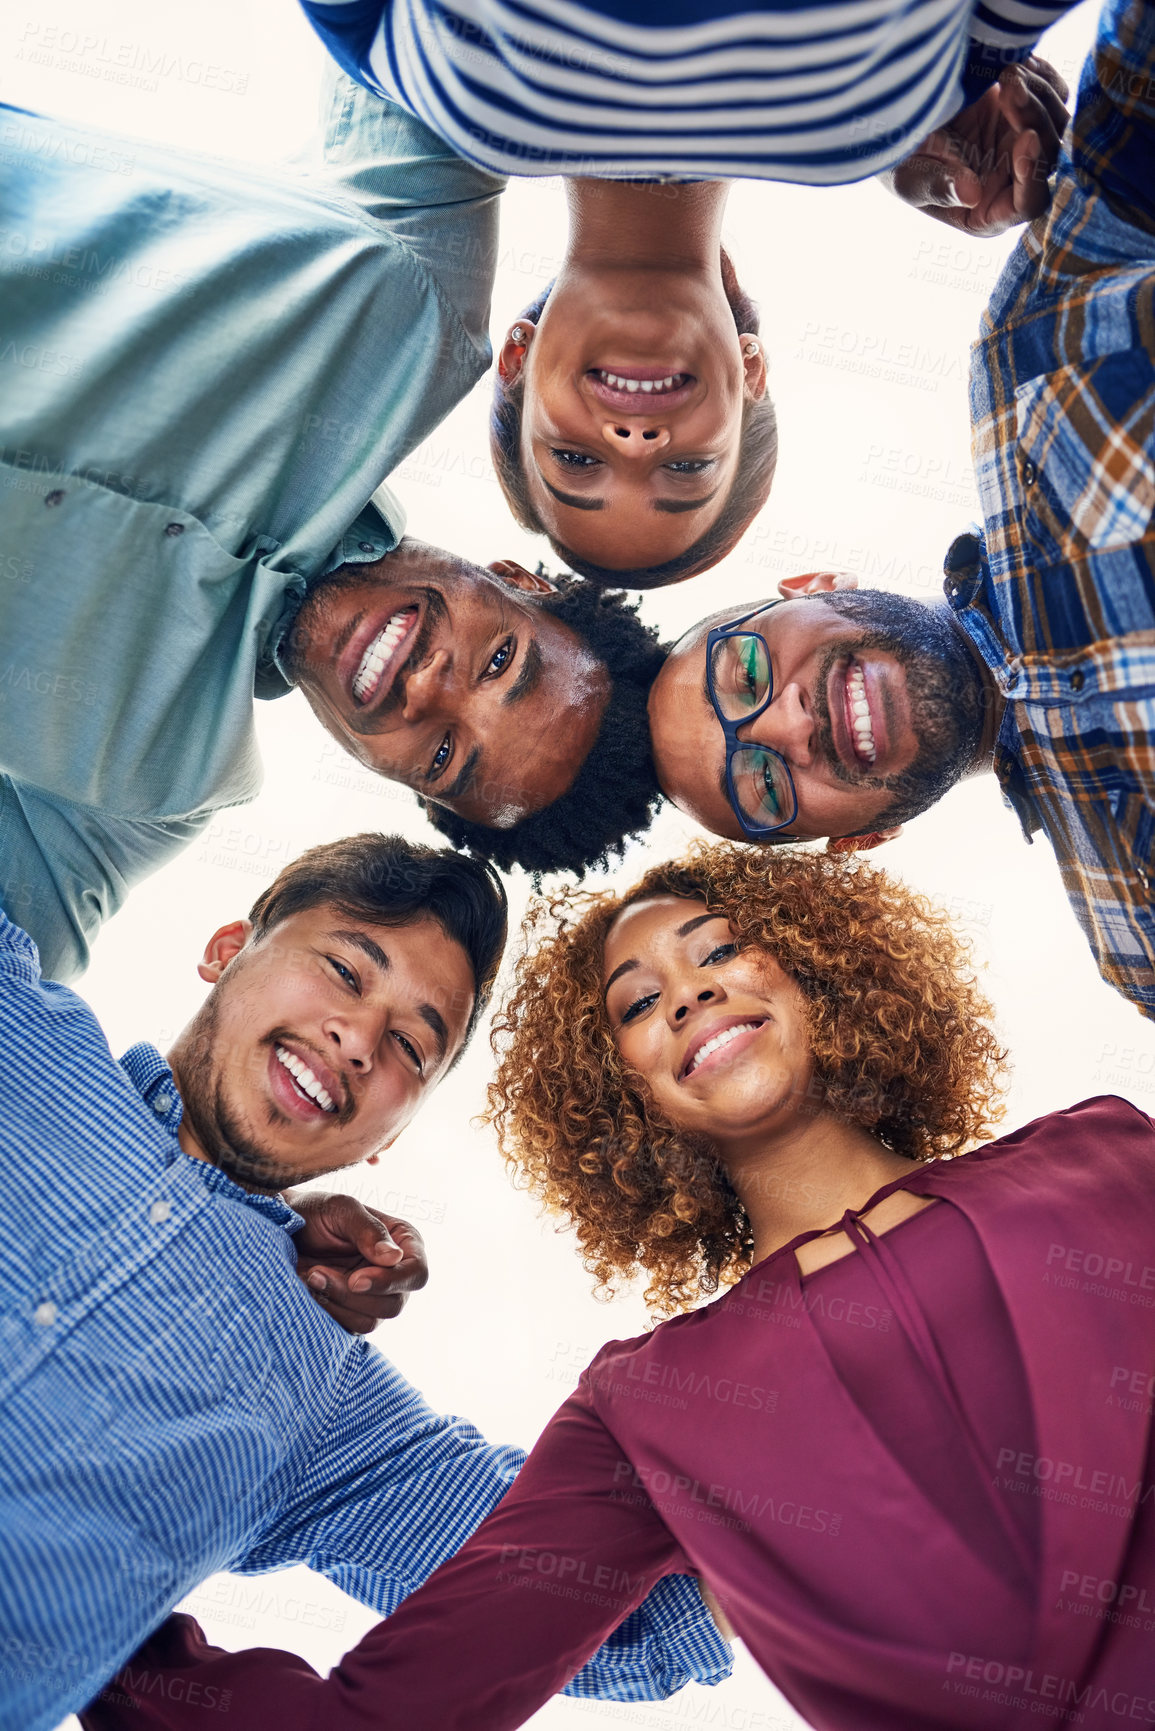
[[819, 93], [1061, 600], [173, 1402]]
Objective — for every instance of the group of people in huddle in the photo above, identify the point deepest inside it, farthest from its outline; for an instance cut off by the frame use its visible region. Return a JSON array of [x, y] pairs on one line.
[[764, 1079]]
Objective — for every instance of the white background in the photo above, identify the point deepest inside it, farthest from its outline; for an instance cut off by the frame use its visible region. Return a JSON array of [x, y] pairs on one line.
[[867, 312]]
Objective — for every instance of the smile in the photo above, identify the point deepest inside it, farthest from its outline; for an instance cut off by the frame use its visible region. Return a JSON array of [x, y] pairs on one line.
[[858, 715], [304, 1081], [382, 654], [709, 1047], [646, 387]]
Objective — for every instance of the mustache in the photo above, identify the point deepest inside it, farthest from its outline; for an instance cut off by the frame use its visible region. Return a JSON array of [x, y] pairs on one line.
[[434, 615], [836, 653]]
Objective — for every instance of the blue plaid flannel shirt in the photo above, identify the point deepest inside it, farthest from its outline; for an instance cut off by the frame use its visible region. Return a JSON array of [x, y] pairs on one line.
[[1058, 593], [173, 1402]]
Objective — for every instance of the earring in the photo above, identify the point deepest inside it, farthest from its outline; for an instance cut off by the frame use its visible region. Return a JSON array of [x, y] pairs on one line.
[[518, 333], [750, 347]]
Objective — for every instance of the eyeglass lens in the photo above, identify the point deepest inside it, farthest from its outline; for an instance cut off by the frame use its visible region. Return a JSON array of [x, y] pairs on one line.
[[740, 678]]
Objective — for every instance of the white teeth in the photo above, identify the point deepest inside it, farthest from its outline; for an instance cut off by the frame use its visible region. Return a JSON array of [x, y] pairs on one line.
[[305, 1080], [617, 383], [368, 675], [719, 1040], [862, 731]]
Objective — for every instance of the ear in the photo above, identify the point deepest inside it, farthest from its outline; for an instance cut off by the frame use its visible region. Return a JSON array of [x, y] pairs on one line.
[[373, 1159], [519, 578], [816, 583], [861, 843], [511, 355], [221, 949], [754, 366]]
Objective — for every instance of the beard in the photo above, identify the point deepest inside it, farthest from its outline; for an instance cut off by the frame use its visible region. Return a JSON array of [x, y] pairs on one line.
[[243, 1156], [943, 685]]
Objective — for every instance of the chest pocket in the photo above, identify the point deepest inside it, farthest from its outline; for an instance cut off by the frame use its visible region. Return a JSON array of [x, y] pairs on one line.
[[1086, 438]]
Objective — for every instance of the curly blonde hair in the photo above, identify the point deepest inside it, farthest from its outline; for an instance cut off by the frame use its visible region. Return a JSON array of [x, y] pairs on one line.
[[899, 1031]]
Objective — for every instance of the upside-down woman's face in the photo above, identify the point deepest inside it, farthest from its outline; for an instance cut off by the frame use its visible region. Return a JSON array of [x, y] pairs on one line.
[[718, 1034]]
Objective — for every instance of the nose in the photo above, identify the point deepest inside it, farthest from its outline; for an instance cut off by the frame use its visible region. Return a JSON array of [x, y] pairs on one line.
[[786, 725], [640, 436], [685, 1001], [354, 1034], [428, 686]]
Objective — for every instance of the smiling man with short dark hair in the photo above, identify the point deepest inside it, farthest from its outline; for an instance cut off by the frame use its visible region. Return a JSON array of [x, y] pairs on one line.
[[172, 1400]]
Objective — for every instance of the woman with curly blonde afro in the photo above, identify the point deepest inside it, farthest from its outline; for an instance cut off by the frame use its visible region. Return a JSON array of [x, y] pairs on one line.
[[907, 1452]]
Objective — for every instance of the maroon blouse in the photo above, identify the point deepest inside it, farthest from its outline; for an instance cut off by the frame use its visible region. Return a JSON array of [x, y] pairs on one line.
[[920, 1481]]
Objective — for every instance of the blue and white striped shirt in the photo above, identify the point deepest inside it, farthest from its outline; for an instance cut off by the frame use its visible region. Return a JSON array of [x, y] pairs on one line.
[[815, 91], [173, 1402]]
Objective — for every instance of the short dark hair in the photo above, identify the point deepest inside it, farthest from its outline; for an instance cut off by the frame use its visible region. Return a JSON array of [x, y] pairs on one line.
[[615, 793], [390, 881], [757, 458]]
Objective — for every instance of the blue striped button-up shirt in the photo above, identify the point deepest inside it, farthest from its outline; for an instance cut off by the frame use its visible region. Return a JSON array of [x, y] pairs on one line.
[[816, 91], [173, 1402], [1058, 595]]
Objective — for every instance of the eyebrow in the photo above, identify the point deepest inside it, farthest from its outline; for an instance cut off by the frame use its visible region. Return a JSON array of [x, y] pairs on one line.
[[572, 499], [680, 931], [463, 780], [671, 506], [699, 920], [435, 1021], [529, 674], [363, 942]]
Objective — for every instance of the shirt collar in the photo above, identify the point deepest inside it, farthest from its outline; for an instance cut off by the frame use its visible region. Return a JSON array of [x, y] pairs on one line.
[[970, 596], [374, 532], [154, 1082]]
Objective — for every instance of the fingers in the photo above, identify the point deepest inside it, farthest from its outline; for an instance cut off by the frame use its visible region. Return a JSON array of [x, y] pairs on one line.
[[935, 177], [342, 1225], [1028, 102], [358, 1312], [1050, 76]]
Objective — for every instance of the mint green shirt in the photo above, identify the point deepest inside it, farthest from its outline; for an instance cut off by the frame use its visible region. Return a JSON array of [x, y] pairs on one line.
[[206, 373]]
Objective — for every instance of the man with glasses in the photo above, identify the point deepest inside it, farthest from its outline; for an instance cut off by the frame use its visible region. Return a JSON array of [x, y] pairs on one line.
[[840, 715], [845, 714]]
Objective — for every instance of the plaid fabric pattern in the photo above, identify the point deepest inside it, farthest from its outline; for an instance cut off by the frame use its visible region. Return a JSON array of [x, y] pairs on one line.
[[173, 1402], [1058, 592]]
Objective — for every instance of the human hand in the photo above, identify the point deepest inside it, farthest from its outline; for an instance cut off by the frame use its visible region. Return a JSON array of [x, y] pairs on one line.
[[359, 1264], [987, 169]]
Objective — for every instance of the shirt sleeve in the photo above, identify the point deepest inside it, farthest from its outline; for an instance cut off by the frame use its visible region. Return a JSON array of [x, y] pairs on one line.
[[1003, 33], [406, 179], [65, 869], [571, 1551], [1113, 136]]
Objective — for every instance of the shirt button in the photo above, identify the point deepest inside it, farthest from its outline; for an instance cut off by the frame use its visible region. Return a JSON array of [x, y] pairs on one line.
[[174, 529], [55, 497], [1078, 680], [45, 1314], [1030, 474], [162, 1104], [159, 1212], [366, 546]]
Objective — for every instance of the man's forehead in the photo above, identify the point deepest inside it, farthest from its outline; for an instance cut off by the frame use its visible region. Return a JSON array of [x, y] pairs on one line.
[[727, 616]]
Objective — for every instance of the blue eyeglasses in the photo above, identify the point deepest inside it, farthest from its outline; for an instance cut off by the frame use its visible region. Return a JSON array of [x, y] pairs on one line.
[[740, 684]]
